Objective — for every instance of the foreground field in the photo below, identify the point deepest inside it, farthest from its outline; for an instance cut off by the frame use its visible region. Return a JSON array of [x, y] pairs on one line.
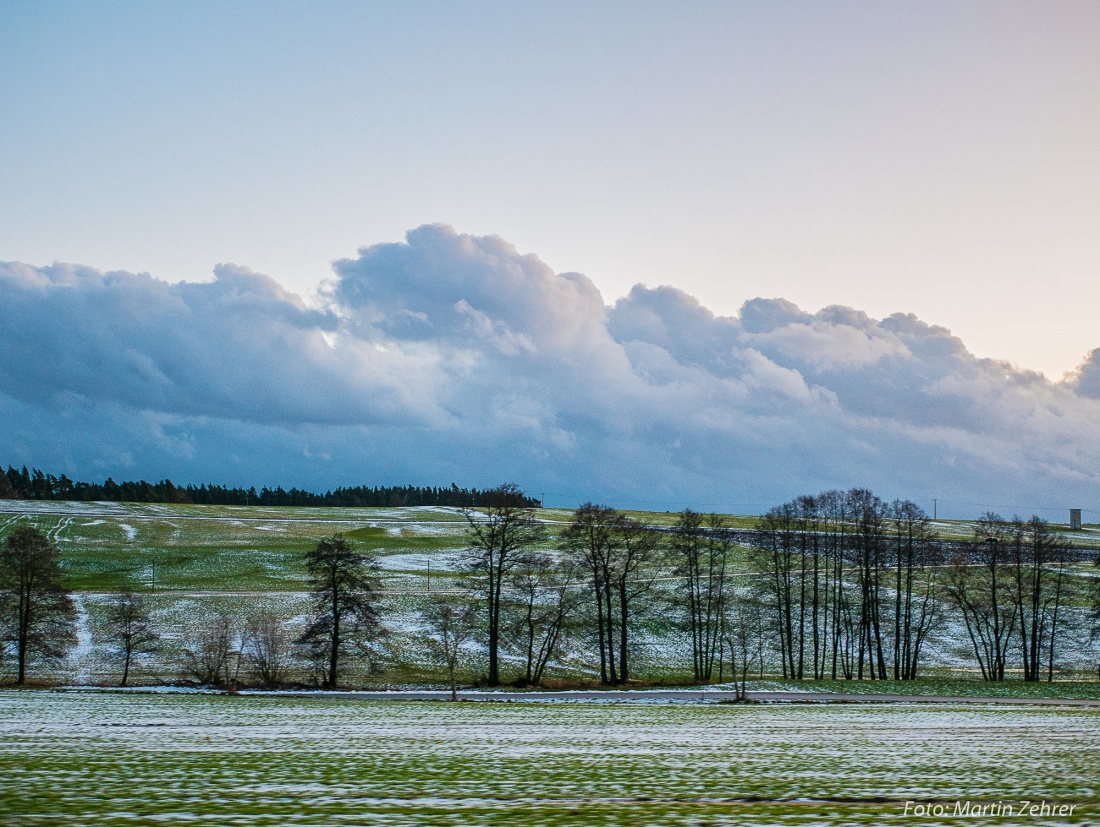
[[83, 758]]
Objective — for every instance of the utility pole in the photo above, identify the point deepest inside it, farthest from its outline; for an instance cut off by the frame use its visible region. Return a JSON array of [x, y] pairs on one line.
[[542, 500], [935, 503]]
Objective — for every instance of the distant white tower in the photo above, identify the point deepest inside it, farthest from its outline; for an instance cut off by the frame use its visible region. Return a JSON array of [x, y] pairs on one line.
[[1075, 519]]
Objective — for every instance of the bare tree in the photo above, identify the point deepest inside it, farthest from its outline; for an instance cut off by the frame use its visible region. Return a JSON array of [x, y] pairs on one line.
[[618, 555], [814, 579], [634, 572], [544, 598], [130, 630], [268, 648], [1038, 560], [743, 630], [870, 545], [211, 652], [979, 584], [701, 547], [451, 626], [915, 585], [777, 540], [563, 600], [591, 541], [345, 595], [498, 540], [523, 627], [36, 609]]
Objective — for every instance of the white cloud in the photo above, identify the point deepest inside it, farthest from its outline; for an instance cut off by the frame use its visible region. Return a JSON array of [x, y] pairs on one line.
[[452, 357], [1087, 377]]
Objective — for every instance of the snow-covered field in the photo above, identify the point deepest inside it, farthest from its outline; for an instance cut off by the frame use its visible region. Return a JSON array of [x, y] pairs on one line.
[[69, 758], [194, 562]]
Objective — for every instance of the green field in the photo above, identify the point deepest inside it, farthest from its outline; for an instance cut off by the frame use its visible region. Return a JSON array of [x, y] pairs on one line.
[[89, 758], [221, 548], [193, 562], [107, 546], [944, 687]]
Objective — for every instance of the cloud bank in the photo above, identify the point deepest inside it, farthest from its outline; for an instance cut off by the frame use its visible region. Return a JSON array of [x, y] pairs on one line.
[[451, 357]]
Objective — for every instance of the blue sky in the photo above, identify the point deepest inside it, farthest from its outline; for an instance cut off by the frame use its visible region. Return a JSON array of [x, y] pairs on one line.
[[935, 159]]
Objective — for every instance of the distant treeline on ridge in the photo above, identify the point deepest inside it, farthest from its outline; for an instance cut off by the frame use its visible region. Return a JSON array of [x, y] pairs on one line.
[[36, 485]]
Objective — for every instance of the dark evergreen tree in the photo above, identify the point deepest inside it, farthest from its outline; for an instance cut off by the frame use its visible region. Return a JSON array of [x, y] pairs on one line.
[[35, 484], [6, 490], [345, 619], [36, 609]]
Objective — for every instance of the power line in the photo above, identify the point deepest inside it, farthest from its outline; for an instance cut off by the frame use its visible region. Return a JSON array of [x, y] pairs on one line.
[[1018, 507], [678, 504]]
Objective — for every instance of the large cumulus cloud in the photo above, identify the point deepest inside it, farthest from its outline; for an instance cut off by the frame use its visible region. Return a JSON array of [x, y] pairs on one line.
[[453, 357], [239, 347]]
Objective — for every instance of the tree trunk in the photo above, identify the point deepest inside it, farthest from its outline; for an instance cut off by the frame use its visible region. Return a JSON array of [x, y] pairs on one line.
[[335, 652], [126, 665], [624, 611]]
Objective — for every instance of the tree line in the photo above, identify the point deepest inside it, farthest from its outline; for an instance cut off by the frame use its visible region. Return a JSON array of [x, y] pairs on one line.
[[33, 484], [855, 585], [839, 585]]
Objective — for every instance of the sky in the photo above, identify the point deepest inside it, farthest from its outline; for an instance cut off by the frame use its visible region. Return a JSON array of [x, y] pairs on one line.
[[763, 198]]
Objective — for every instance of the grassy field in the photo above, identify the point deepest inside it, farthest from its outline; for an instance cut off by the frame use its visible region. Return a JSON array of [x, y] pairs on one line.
[[944, 686], [221, 548], [84, 758], [94, 758], [108, 546], [193, 562]]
